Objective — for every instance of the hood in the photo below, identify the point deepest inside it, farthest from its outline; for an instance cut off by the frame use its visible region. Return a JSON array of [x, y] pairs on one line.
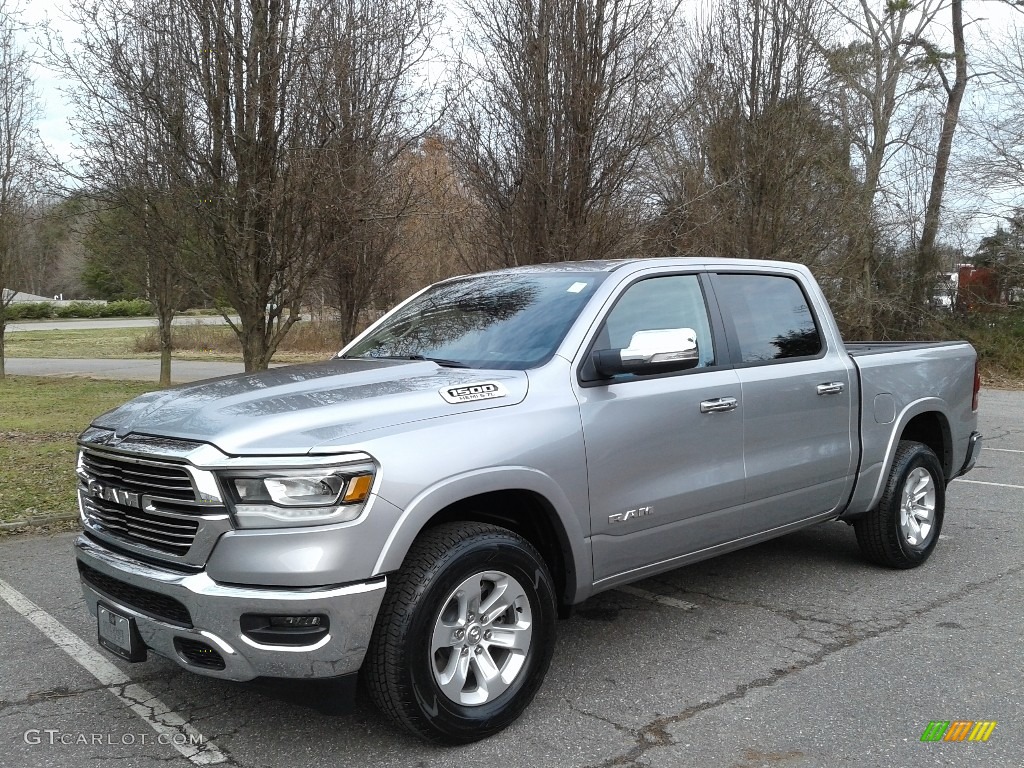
[[291, 410]]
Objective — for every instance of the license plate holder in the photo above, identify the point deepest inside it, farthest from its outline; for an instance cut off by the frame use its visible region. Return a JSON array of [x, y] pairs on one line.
[[119, 634]]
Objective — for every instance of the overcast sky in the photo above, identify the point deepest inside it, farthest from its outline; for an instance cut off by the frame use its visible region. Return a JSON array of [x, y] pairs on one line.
[[54, 126]]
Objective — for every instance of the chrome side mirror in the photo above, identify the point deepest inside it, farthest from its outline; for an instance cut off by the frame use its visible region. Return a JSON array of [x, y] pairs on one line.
[[649, 352]]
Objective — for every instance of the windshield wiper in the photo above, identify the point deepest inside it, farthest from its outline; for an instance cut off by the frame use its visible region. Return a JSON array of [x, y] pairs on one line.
[[439, 360]]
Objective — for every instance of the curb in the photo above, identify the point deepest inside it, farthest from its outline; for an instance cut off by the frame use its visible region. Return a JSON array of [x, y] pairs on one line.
[[37, 522]]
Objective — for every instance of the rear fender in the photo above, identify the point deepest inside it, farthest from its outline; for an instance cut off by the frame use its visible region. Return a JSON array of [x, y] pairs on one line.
[[871, 482]]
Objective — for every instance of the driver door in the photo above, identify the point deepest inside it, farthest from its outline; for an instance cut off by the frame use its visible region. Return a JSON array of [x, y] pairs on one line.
[[664, 452]]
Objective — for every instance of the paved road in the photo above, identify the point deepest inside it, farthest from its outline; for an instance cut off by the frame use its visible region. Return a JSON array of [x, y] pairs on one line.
[[140, 370], [111, 322], [795, 653]]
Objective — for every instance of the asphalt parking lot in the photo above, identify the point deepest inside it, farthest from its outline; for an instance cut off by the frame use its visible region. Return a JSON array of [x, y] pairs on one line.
[[792, 653]]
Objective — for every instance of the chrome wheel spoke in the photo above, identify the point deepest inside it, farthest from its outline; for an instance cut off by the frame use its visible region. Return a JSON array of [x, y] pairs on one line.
[[444, 636], [498, 600], [924, 482], [514, 638], [469, 596], [918, 508], [453, 678], [488, 676]]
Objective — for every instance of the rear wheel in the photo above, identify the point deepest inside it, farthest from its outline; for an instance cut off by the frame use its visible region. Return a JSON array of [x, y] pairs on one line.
[[465, 634], [903, 529]]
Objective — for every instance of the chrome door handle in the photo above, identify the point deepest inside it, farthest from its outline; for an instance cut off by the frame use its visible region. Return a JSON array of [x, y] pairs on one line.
[[719, 405], [832, 388]]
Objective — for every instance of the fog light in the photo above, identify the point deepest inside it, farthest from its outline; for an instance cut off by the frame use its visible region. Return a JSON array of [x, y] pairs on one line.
[[295, 621], [295, 631]]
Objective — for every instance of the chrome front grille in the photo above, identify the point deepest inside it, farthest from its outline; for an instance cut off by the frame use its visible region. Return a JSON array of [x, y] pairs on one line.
[[148, 505], [149, 526], [165, 480]]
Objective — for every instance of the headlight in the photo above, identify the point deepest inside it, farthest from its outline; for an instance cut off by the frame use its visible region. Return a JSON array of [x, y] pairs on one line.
[[266, 498]]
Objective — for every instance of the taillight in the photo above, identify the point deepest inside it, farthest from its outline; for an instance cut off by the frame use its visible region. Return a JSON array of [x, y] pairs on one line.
[[977, 386]]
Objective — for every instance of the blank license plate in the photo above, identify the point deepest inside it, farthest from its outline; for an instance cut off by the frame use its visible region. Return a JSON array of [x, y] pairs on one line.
[[119, 635]]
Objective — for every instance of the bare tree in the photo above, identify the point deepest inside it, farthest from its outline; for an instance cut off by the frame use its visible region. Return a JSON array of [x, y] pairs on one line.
[[562, 100], [367, 60], [181, 101], [997, 163], [928, 261], [878, 82], [230, 105], [143, 196], [437, 241], [19, 158], [138, 241], [755, 168]]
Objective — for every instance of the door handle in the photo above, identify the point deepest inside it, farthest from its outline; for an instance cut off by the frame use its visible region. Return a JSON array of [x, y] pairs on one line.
[[719, 405], [832, 388]]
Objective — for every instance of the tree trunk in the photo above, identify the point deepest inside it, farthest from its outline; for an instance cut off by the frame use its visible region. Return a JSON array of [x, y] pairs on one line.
[[868, 282], [165, 318], [349, 320], [3, 332], [255, 355], [927, 262]]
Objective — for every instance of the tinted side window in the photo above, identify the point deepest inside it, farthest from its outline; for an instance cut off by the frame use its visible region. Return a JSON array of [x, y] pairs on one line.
[[657, 303], [770, 316]]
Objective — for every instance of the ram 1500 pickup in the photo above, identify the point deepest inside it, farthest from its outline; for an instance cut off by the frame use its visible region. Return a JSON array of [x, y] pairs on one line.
[[493, 451]]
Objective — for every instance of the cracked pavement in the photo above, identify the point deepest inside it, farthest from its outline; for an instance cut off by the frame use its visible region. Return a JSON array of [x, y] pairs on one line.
[[798, 653]]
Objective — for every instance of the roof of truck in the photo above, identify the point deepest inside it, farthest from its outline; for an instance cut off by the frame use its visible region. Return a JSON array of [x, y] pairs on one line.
[[610, 265]]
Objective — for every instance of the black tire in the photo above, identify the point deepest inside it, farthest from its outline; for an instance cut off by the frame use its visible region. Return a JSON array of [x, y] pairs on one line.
[[883, 533], [402, 667]]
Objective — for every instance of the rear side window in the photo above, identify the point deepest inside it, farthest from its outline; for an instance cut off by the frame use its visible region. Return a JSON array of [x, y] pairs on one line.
[[770, 316]]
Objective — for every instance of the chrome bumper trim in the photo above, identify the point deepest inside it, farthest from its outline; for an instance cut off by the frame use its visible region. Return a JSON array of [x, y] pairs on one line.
[[216, 610]]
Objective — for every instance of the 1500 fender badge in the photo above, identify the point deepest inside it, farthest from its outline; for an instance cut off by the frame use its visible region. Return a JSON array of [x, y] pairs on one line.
[[467, 393]]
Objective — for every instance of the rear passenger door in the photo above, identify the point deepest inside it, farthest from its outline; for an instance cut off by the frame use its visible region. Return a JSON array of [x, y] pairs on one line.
[[798, 415]]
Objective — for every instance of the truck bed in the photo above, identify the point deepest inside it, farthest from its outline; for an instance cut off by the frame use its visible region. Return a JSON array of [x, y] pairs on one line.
[[862, 348], [921, 375]]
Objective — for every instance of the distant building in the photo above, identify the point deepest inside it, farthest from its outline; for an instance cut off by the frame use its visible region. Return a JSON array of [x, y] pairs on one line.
[[22, 297]]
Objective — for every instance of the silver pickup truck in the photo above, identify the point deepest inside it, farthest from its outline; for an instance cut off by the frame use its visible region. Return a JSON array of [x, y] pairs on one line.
[[496, 449]]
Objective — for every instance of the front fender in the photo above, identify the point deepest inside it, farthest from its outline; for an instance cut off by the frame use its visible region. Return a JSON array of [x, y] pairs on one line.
[[575, 542]]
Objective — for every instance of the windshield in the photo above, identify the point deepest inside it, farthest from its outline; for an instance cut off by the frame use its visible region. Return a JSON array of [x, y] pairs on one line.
[[511, 321]]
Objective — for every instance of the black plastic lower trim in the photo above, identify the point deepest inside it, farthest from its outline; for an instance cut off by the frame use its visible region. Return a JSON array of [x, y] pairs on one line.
[[152, 604]]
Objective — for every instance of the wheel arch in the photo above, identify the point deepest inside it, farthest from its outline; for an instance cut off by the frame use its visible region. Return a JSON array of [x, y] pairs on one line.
[[922, 421], [932, 429], [520, 499]]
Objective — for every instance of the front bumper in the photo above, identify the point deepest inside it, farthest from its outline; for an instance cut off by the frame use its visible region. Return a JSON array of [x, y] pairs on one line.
[[170, 607]]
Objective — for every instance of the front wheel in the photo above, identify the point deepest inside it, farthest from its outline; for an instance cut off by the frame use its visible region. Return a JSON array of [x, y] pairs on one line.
[[903, 529], [465, 634]]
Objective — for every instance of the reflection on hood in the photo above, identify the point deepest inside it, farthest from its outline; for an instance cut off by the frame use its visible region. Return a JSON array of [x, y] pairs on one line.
[[291, 410]]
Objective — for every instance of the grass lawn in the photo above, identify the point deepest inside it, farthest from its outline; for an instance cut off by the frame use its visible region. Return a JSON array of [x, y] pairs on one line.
[[98, 343], [39, 421], [205, 342]]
